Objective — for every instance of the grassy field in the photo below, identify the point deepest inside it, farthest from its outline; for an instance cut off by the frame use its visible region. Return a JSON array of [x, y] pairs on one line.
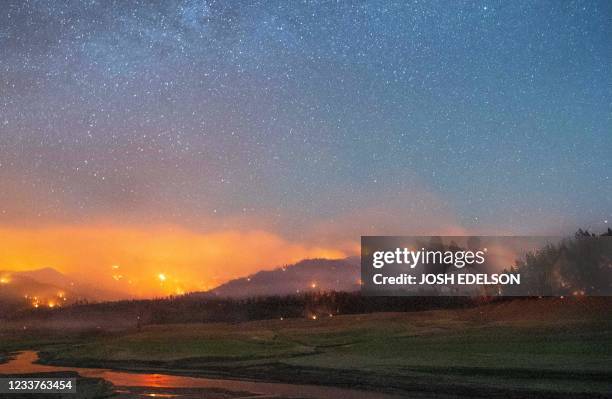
[[536, 348]]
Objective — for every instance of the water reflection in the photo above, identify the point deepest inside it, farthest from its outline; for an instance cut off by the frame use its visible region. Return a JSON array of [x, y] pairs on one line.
[[25, 362]]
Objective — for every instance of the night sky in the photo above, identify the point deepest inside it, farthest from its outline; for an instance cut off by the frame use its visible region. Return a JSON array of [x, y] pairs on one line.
[[310, 123]]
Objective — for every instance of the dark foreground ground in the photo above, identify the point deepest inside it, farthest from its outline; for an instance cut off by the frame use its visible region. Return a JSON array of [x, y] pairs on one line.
[[526, 348]]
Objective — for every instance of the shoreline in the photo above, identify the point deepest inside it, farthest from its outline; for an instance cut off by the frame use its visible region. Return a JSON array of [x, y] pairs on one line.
[[352, 352], [378, 383]]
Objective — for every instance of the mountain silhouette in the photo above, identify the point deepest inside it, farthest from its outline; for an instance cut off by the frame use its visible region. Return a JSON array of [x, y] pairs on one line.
[[308, 275]]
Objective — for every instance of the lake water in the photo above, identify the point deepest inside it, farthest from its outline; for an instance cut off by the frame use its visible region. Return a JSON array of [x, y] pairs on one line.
[[25, 362]]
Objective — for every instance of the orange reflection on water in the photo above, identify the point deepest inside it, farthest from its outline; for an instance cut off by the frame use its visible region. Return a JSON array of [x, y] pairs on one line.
[[148, 380], [25, 362]]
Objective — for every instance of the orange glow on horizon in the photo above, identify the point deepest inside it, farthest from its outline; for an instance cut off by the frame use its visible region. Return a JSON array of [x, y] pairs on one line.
[[189, 259]]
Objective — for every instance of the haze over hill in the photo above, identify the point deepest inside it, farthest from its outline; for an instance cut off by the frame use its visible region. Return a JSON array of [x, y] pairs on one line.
[[304, 276], [48, 288]]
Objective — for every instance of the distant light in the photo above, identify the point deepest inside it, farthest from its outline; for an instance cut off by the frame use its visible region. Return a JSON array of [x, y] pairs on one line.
[[314, 317], [4, 280], [161, 277], [115, 267], [313, 285]]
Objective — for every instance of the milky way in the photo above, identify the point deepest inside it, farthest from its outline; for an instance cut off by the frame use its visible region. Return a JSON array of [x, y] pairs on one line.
[[297, 116]]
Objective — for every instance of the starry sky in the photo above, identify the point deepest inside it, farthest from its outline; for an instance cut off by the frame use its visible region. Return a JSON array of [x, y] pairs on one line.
[[134, 131]]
